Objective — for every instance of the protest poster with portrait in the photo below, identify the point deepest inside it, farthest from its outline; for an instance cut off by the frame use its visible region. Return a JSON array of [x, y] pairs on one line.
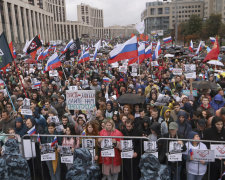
[[107, 148], [127, 149], [90, 145], [66, 154], [47, 152], [25, 109]]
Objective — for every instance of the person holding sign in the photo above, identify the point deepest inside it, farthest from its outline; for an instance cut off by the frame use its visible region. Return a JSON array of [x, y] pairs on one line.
[[164, 151], [91, 129], [54, 166], [195, 170], [111, 166], [130, 166]]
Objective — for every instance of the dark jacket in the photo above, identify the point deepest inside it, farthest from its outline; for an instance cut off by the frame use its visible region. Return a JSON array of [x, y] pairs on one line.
[[216, 105], [23, 129], [183, 128], [164, 149]]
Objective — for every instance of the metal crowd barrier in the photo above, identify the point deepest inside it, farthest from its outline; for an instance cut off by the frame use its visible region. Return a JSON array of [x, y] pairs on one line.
[[33, 139]]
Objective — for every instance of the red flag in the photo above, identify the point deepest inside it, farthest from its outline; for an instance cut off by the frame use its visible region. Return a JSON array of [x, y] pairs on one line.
[[11, 48], [213, 54]]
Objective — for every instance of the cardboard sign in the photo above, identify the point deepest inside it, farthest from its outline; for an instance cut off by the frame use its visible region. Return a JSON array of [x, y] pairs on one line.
[[47, 152], [219, 150], [88, 143], [66, 154], [177, 71], [115, 65], [175, 157], [203, 155], [188, 93], [53, 73], [80, 99], [123, 69]]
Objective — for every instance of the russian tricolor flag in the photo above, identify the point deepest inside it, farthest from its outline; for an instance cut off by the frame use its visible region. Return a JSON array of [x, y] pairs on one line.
[[14, 53], [84, 57], [54, 141], [53, 62], [191, 152], [141, 55], [148, 51], [212, 39], [106, 80], [127, 50], [157, 51], [37, 84], [97, 47], [32, 131], [191, 47], [167, 39], [67, 46], [199, 48]]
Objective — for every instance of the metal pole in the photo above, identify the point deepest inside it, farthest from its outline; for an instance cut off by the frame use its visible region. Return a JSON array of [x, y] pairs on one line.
[[176, 25]]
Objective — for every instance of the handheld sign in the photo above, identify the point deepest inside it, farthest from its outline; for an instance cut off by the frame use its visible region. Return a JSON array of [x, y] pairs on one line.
[[107, 148], [127, 149]]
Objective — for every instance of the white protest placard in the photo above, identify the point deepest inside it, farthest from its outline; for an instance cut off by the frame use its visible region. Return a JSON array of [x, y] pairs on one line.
[[29, 151], [53, 73], [73, 88], [39, 66], [177, 71], [115, 65], [123, 69], [154, 63], [189, 68], [127, 149], [25, 110], [175, 147], [66, 154], [107, 148], [150, 146], [90, 145], [175, 157], [203, 155], [191, 75], [47, 152], [80, 99], [134, 71], [219, 150], [108, 153]]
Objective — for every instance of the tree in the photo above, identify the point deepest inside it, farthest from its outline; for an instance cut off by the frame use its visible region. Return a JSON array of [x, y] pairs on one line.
[[194, 25], [213, 24]]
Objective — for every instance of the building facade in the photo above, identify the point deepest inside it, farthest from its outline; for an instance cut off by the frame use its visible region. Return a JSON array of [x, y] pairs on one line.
[[162, 15], [21, 20]]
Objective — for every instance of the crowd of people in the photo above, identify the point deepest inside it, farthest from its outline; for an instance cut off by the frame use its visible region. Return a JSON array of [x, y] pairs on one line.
[[180, 116]]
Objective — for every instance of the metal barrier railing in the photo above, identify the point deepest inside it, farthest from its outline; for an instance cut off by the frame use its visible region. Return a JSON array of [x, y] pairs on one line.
[[163, 141]]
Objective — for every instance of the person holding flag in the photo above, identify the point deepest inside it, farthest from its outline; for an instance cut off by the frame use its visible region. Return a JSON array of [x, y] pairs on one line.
[[195, 169], [54, 166]]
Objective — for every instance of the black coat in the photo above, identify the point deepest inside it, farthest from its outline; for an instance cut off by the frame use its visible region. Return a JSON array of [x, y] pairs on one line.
[[164, 149]]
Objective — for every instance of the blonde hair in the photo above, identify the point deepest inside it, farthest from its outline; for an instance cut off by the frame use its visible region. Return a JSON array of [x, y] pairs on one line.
[[111, 122]]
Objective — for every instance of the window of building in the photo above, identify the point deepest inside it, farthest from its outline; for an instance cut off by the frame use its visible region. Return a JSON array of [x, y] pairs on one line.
[[87, 20], [198, 10], [152, 11], [167, 10], [160, 10], [83, 18]]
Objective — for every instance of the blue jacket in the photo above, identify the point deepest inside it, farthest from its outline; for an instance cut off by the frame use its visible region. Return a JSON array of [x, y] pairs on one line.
[[218, 105], [23, 129]]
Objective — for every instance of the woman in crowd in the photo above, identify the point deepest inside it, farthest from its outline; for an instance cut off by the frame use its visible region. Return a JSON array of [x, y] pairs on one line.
[[111, 166]]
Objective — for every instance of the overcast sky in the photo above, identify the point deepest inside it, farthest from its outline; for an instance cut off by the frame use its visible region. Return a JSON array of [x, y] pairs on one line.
[[116, 12]]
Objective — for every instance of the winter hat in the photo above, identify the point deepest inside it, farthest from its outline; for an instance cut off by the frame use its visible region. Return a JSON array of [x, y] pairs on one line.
[[201, 122], [173, 126], [83, 117], [156, 127], [192, 134], [19, 119]]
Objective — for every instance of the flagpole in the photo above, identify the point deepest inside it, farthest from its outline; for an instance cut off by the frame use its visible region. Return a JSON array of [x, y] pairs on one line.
[[64, 72], [20, 79], [139, 66]]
